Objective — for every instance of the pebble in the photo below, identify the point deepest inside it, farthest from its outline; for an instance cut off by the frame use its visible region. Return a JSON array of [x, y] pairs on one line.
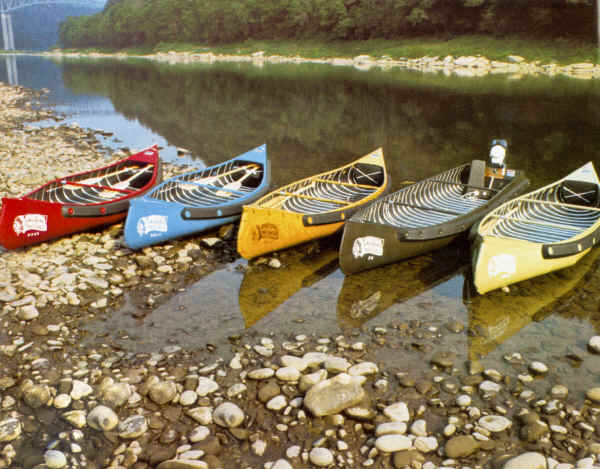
[[199, 433], [529, 460], [397, 412], [133, 427], [385, 428], [55, 459], [228, 415], [288, 373], [321, 457], [594, 344], [102, 418], [262, 373], [10, 429], [538, 367], [277, 403], [494, 423], [392, 442], [206, 386], [333, 395]]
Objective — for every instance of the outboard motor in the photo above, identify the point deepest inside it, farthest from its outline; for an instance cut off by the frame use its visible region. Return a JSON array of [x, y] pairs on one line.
[[498, 154]]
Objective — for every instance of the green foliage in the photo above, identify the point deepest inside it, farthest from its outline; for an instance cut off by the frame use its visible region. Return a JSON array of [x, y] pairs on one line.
[[131, 23]]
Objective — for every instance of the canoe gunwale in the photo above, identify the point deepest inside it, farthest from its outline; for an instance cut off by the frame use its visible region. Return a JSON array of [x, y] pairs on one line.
[[459, 224], [557, 250], [148, 156]]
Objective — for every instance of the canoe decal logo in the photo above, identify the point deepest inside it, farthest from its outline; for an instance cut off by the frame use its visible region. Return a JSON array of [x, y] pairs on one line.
[[152, 223], [266, 231], [502, 265], [30, 222], [367, 246]]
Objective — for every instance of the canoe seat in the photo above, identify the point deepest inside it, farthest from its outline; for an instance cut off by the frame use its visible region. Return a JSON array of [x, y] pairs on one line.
[[476, 175], [579, 193]]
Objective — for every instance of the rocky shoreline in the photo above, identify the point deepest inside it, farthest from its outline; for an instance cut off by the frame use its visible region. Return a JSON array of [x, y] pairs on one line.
[[514, 67], [263, 401]]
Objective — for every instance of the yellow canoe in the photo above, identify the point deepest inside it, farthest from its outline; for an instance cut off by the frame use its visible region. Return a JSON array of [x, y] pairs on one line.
[[539, 232], [311, 208]]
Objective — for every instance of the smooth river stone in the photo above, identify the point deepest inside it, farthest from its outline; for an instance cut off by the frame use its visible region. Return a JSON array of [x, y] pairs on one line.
[[133, 427], [309, 380], [337, 364], [526, 461], [10, 429], [261, 373], [425, 444], [364, 368], [594, 344], [397, 412], [55, 459], [296, 362], [461, 446], [392, 443], [593, 394], [334, 395], [494, 423], [206, 386], [288, 373], [321, 457], [228, 415], [390, 428], [102, 418]]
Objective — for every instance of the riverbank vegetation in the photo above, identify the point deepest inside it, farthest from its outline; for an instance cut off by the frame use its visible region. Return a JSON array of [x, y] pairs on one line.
[[136, 23]]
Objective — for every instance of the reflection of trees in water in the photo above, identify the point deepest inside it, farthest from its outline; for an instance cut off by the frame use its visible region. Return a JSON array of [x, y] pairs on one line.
[[314, 118]]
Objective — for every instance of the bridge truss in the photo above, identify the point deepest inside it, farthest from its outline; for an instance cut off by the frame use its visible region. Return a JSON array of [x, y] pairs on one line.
[[11, 5], [6, 6]]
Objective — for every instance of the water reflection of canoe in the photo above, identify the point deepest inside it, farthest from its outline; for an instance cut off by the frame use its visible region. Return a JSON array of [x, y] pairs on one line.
[[311, 208], [498, 315], [366, 294], [263, 289]]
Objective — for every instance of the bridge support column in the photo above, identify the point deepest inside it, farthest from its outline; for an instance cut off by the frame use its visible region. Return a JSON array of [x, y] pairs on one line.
[[7, 31], [11, 69]]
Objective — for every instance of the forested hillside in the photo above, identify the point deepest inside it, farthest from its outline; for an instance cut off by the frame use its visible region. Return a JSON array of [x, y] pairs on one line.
[[36, 27], [125, 23]]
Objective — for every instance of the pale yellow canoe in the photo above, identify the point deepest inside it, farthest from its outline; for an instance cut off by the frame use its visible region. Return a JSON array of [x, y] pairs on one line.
[[311, 208], [539, 232]]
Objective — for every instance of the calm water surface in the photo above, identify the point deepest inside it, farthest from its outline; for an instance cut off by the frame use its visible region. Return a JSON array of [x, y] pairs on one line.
[[314, 118]]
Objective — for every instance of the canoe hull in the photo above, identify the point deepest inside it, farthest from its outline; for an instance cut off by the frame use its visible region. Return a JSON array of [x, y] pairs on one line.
[[499, 262], [151, 222], [264, 230], [24, 222], [369, 245]]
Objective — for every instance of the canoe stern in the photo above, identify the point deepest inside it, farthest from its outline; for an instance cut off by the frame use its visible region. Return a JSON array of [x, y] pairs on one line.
[[264, 230], [499, 262], [24, 222]]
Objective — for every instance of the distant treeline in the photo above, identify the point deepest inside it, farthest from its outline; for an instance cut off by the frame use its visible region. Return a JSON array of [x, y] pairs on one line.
[[125, 23]]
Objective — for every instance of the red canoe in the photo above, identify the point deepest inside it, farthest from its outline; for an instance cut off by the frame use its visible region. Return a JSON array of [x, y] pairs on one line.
[[78, 202]]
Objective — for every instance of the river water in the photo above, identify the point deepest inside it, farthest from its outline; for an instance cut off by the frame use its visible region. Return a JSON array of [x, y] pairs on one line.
[[314, 118]]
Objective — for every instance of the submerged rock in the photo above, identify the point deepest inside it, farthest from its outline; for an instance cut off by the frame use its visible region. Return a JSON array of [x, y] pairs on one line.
[[334, 395]]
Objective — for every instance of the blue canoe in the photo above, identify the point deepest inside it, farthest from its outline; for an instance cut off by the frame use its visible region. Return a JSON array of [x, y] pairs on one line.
[[198, 200]]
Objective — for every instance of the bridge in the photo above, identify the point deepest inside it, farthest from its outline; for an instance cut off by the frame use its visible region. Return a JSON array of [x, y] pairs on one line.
[[6, 6]]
